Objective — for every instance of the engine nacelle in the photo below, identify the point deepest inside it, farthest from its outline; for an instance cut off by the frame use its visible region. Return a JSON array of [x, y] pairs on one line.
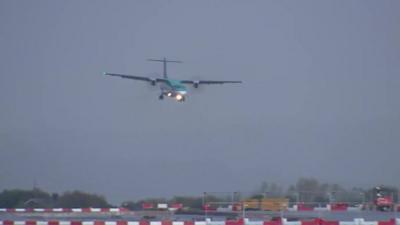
[[196, 84]]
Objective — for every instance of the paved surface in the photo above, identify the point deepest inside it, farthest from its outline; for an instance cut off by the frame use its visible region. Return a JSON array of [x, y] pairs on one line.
[[157, 216]]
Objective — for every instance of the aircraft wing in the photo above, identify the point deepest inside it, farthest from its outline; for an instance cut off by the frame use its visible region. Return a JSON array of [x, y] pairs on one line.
[[197, 82], [133, 77]]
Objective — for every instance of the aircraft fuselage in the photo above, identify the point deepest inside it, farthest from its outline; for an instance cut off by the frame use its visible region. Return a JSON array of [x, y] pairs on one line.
[[173, 89]]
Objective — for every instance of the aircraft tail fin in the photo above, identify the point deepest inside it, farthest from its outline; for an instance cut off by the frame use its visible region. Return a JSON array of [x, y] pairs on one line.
[[164, 61]]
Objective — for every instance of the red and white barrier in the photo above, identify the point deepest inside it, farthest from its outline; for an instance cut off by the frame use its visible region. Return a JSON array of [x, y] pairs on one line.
[[207, 222], [162, 206], [64, 210], [172, 207], [329, 207], [144, 222]]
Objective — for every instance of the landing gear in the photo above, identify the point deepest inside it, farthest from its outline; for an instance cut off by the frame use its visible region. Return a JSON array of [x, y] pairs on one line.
[[161, 97], [181, 99]]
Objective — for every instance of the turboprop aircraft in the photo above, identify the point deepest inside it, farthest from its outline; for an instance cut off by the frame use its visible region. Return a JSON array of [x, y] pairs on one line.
[[172, 88]]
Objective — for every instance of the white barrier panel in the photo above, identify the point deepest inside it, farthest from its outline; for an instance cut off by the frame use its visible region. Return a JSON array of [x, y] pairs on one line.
[[215, 222], [291, 223], [20, 210], [360, 221], [110, 223], [247, 222], [155, 223], [3, 210], [41, 223], [347, 223], [369, 223], [114, 209], [87, 222], [285, 222], [19, 222], [162, 206], [294, 208], [200, 223], [398, 221], [353, 208], [95, 209], [38, 210], [222, 209], [76, 210], [178, 223], [65, 223], [57, 210], [133, 223], [321, 209]]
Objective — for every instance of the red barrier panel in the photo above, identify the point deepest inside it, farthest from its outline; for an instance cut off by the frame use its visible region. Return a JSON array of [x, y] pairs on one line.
[[234, 222], [8, 222], [97, 222], [122, 222], [53, 222], [177, 206], [147, 205], [302, 207], [30, 222], [339, 207], [144, 222], [86, 210], [310, 222], [320, 222], [67, 210], [105, 209], [188, 223], [29, 210], [10, 210], [389, 222], [272, 222], [329, 222], [76, 222], [48, 210], [123, 210], [166, 222]]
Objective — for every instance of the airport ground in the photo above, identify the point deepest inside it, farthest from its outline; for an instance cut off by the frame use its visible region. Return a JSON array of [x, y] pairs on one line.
[[165, 215]]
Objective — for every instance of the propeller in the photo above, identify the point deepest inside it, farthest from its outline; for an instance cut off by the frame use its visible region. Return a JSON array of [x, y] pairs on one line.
[[153, 84], [196, 87]]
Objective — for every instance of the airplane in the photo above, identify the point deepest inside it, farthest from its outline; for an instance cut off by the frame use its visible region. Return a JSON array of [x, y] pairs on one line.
[[172, 88]]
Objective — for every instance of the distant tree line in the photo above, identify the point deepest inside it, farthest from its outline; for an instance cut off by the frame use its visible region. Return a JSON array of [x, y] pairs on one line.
[[37, 198], [308, 190]]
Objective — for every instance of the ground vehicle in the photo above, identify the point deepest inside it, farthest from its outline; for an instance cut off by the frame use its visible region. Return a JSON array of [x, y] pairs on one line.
[[383, 199], [266, 204]]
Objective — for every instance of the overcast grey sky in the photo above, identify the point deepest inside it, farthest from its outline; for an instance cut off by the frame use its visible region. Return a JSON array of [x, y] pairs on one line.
[[319, 99]]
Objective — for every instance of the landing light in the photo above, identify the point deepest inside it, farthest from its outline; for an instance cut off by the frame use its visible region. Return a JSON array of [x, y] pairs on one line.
[[169, 94], [179, 97]]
